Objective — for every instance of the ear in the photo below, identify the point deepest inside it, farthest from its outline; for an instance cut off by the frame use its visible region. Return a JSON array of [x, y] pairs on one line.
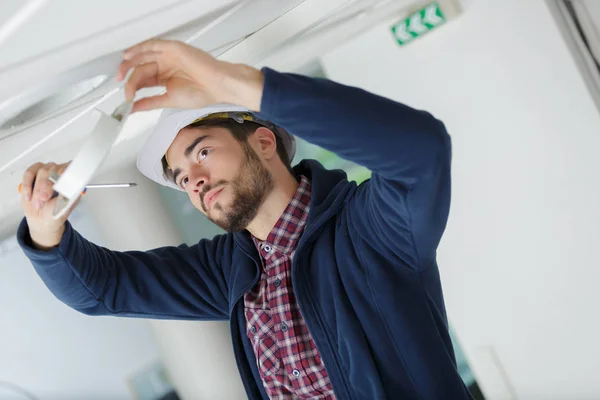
[[265, 142]]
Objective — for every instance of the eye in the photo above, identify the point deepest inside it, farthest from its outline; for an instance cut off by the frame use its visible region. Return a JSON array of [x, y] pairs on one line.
[[183, 182], [203, 153]]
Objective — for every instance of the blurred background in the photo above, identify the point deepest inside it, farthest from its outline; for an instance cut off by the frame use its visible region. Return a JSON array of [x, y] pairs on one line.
[[516, 83]]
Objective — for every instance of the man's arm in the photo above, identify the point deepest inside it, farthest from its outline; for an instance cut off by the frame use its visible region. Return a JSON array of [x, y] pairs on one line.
[[170, 282], [402, 210]]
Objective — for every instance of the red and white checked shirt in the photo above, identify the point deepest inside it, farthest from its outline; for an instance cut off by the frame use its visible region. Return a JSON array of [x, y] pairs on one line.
[[288, 361]]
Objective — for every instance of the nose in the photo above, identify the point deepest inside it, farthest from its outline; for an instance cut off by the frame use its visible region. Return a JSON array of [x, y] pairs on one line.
[[198, 177]]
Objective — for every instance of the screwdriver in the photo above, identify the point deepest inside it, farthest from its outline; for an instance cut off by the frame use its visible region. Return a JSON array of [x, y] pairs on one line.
[[90, 186]]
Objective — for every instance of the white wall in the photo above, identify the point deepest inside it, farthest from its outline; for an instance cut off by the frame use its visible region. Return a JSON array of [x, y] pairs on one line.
[[56, 353], [519, 260]]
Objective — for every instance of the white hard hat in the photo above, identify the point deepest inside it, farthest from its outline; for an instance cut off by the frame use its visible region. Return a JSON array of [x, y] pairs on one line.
[[172, 120]]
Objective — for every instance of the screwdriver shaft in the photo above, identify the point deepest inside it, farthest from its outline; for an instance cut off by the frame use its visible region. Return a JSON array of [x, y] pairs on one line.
[[91, 186], [110, 185]]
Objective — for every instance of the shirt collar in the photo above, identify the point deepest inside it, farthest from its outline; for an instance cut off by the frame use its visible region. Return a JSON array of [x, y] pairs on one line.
[[288, 229]]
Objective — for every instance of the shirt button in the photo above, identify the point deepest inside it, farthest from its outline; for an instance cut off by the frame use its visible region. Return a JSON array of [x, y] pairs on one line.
[[253, 329], [277, 282], [267, 248], [296, 373], [284, 326]]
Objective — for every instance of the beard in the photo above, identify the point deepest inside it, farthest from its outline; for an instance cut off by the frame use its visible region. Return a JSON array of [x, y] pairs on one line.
[[250, 188]]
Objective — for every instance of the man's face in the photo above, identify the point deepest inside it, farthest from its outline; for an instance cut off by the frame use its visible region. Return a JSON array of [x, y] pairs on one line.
[[225, 179]]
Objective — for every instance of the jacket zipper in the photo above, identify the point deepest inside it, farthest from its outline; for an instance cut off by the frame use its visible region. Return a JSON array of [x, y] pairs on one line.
[[245, 379], [256, 278], [346, 392]]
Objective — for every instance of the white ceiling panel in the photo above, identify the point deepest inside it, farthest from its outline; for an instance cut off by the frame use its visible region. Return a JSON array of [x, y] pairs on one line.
[[61, 22]]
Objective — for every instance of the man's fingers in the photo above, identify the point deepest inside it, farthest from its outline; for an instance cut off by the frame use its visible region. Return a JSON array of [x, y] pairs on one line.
[[145, 75], [62, 168], [151, 103], [151, 45], [42, 186], [47, 186], [149, 82], [28, 179], [137, 61]]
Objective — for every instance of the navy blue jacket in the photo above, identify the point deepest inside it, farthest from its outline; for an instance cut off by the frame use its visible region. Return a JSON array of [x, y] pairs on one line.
[[365, 272]]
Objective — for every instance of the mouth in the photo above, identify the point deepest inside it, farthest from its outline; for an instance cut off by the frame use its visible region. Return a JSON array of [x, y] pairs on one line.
[[211, 196]]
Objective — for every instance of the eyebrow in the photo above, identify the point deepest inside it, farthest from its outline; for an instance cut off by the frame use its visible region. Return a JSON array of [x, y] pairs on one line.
[[187, 153]]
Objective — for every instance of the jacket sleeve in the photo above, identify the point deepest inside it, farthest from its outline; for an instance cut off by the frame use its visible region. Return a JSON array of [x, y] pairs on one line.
[[402, 210], [165, 283]]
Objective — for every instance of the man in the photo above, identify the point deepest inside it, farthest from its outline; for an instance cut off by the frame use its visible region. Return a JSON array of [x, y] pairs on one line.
[[332, 289]]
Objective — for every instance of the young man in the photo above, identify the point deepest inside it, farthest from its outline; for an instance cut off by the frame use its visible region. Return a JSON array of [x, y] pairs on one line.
[[332, 289]]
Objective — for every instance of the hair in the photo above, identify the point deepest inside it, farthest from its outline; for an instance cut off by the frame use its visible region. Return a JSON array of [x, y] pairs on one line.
[[240, 132]]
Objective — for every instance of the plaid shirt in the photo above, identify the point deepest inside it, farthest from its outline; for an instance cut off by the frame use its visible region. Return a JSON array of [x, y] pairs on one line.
[[288, 360]]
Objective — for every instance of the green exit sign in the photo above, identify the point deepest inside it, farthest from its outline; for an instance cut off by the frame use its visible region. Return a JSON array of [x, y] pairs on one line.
[[418, 23]]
